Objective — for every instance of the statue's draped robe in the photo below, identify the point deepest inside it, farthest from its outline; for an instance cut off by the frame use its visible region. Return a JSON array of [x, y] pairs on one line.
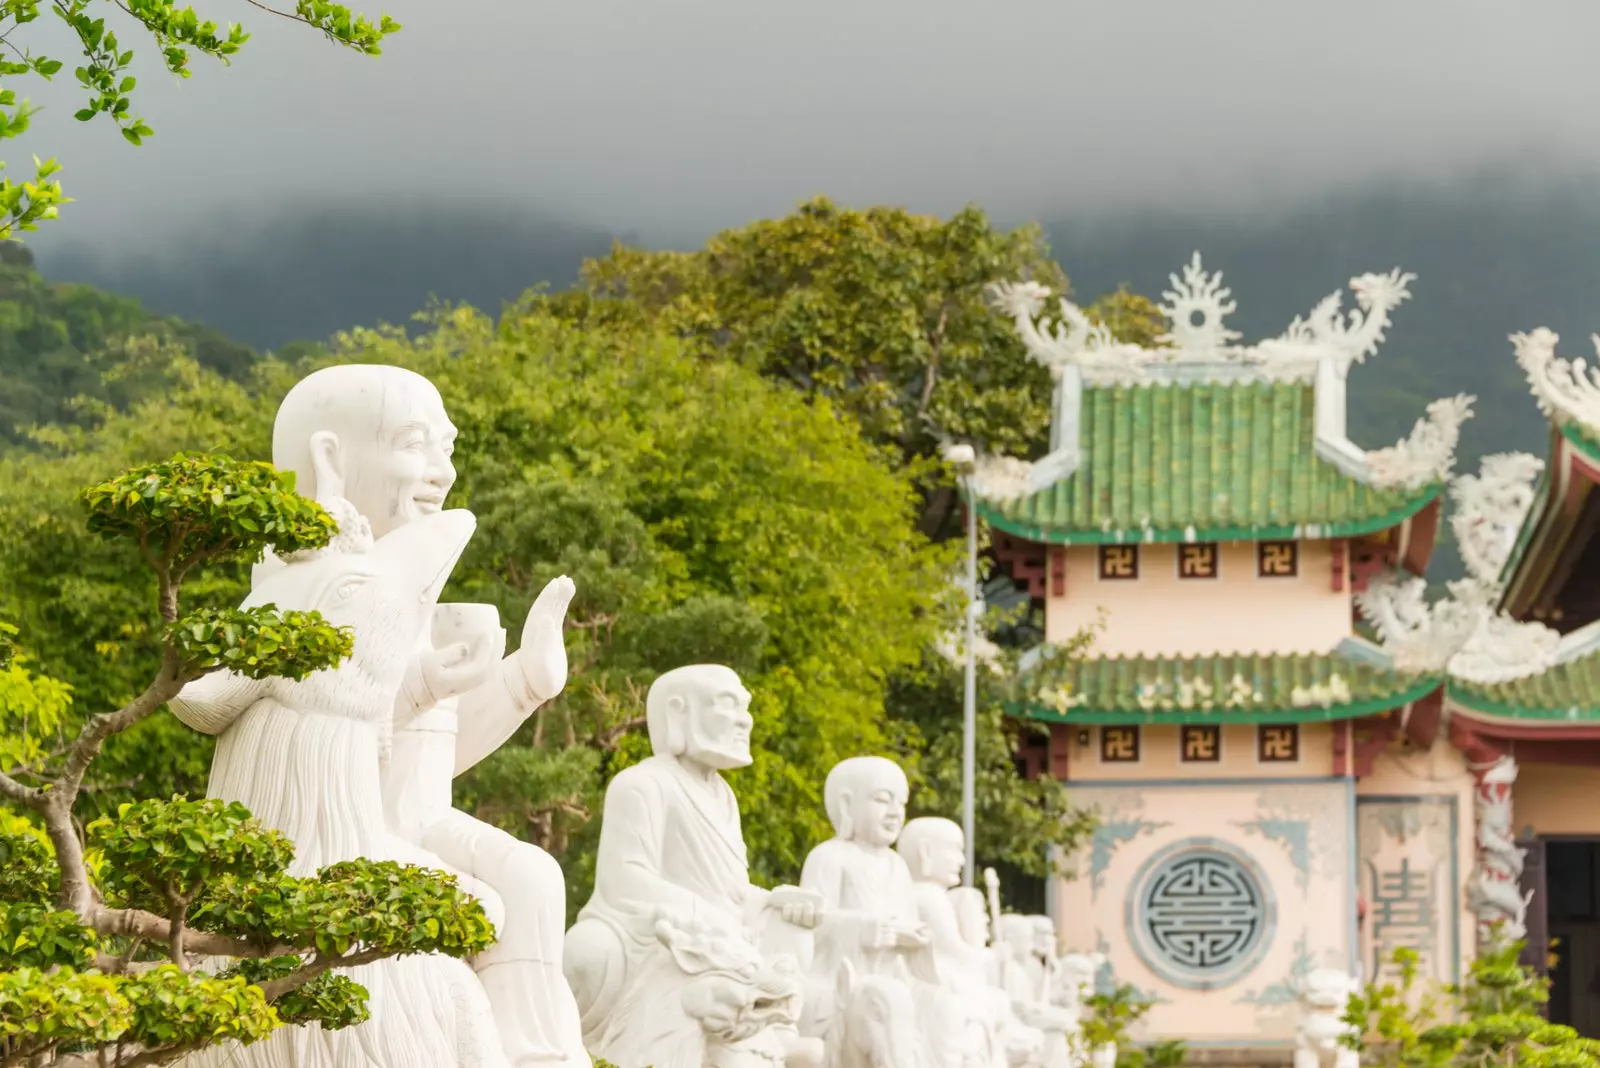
[[860, 887], [956, 1011], [304, 758], [670, 843]]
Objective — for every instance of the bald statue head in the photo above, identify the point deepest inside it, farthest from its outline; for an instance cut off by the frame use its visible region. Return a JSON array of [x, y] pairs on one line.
[[934, 849], [377, 436], [701, 714], [866, 800]]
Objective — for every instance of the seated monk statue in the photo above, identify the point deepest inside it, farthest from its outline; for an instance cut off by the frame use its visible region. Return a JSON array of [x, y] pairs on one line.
[[1024, 977], [379, 437], [956, 1012], [667, 959], [1016, 1044], [870, 915]]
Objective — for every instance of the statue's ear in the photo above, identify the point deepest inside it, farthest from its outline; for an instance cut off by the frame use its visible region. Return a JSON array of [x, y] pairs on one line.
[[677, 729], [326, 466], [847, 827]]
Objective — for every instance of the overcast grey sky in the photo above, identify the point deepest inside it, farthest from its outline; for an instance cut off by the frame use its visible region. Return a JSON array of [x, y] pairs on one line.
[[674, 117]]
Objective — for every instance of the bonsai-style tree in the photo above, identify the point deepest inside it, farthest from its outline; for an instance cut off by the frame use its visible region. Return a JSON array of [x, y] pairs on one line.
[[111, 934]]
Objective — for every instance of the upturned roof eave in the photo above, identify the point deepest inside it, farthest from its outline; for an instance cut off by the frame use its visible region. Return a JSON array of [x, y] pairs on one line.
[[1054, 534], [1273, 714], [1544, 520]]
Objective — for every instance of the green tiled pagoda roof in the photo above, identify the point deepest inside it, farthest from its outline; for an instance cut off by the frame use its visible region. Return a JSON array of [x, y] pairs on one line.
[[1207, 462], [1566, 692], [1242, 688]]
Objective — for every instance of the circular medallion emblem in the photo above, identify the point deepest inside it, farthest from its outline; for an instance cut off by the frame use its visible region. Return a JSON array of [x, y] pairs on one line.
[[1202, 914]]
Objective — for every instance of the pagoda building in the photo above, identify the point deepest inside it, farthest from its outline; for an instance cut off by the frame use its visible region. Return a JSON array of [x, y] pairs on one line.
[[1522, 702], [1265, 803]]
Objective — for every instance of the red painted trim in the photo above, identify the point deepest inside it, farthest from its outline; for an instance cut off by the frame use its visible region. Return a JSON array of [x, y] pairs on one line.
[[1023, 560], [1586, 471], [1060, 751], [1369, 557], [1343, 733], [1381, 731], [1423, 530], [1502, 731], [1585, 754], [1422, 724], [1058, 570], [1476, 748]]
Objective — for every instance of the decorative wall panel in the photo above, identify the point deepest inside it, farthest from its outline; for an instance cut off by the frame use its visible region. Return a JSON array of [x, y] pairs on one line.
[[1411, 883], [1215, 899]]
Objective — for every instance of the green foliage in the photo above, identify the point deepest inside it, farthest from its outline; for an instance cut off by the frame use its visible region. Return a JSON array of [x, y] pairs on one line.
[[69, 352], [330, 1001], [158, 853], [83, 602], [884, 312], [1111, 1015], [685, 500], [173, 1008], [34, 937], [28, 873], [33, 708], [103, 75], [193, 880], [1493, 1020], [259, 642], [40, 1010], [1018, 820], [191, 509]]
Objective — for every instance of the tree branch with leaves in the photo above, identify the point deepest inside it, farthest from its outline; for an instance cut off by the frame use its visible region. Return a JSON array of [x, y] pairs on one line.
[[110, 933], [104, 74]]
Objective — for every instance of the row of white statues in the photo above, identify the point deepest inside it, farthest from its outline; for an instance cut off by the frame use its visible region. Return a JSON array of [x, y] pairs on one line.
[[876, 958], [677, 960]]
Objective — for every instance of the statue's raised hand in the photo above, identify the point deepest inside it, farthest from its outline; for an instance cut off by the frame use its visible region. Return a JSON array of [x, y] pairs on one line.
[[543, 655]]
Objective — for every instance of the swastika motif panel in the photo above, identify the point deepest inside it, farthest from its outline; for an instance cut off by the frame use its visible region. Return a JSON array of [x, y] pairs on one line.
[[1203, 914]]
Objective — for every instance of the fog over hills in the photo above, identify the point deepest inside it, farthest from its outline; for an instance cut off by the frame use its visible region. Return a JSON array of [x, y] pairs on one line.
[[1491, 256]]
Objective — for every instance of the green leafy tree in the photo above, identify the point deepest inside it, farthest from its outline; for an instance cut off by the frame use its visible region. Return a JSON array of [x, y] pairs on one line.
[[885, 317], [706, 514], [1493, 1020], [110, 930], [1111, 1016], [64, 354], [884, 312], [103, 72]]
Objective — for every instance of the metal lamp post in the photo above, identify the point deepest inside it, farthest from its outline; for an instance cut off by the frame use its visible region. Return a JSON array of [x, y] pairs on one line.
[[963, 458]]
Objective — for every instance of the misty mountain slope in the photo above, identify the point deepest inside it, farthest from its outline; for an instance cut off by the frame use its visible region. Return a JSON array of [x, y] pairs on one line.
[[306, 275], [1489, 260]]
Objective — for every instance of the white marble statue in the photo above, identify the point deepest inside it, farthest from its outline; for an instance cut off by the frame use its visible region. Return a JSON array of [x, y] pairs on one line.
[[378, 438], [1016, 1044], [675, 959], [1073, 984], [1026, 979], [870, 917], [957, 1012], [304, 758], [1319, 1040]]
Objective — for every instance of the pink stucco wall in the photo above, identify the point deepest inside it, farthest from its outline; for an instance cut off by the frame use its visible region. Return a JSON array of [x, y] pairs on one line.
[[1297, 834], [1161, 614], [1556, 800]]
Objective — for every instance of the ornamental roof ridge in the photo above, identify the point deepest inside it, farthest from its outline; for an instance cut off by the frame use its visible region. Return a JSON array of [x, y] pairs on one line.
[[1198, 340], [1566, 390]]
